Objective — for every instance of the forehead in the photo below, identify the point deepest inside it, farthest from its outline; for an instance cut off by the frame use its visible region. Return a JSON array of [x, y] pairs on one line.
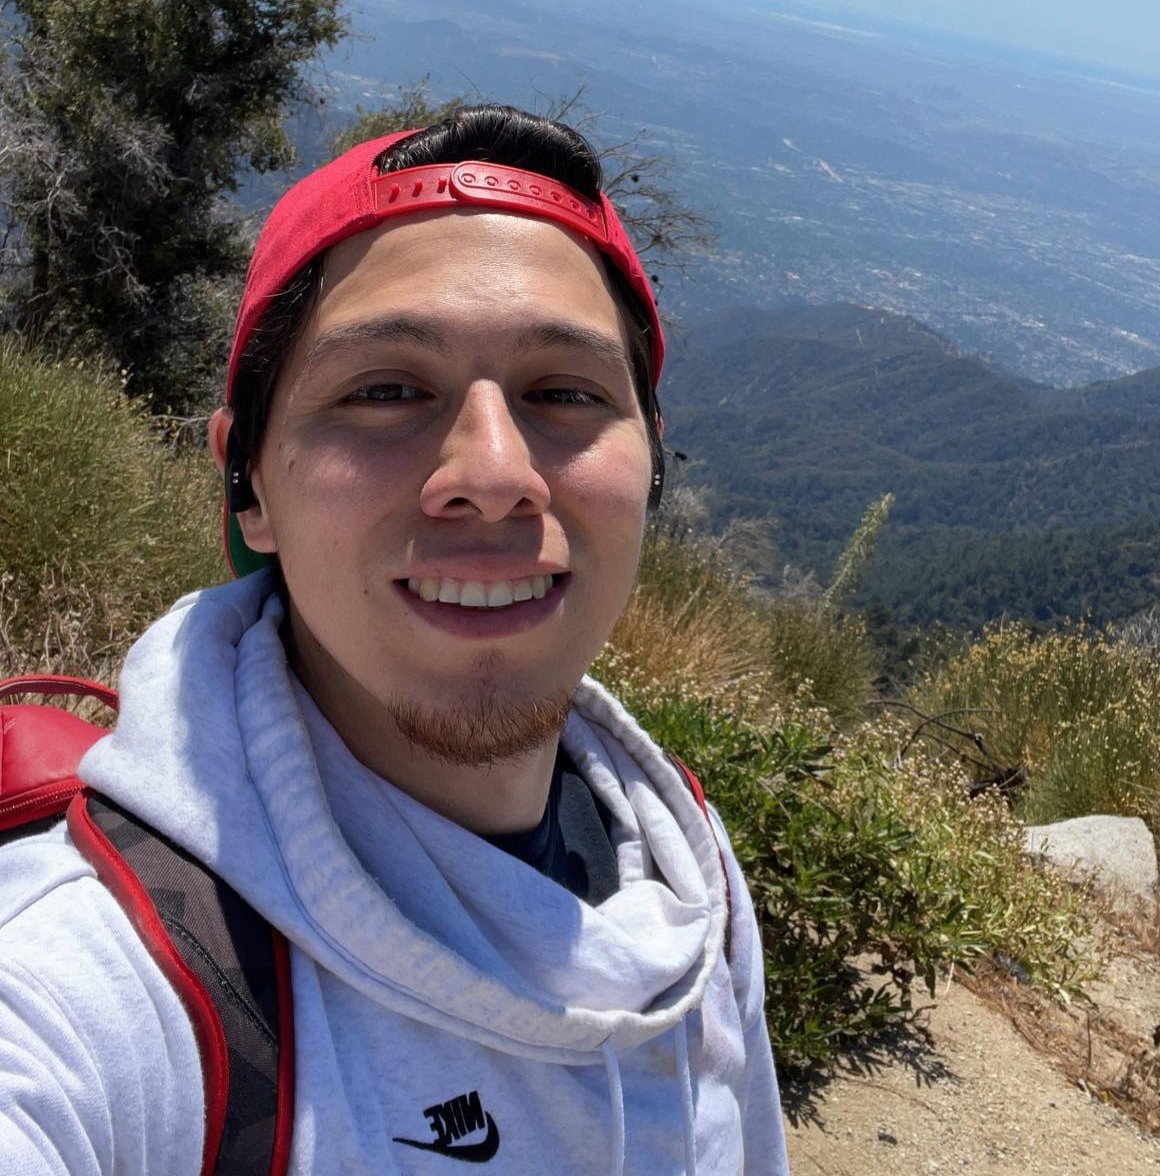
[[470, 269]]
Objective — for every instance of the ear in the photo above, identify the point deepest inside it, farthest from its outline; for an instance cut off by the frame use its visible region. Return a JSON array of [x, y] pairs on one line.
[[253, 520], [219, 434]]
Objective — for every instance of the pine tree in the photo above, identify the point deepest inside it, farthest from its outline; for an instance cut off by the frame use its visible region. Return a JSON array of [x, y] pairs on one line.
[[123, 126]]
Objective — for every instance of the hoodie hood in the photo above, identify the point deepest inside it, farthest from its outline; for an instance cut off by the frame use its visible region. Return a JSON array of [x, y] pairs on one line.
[[221, 749]]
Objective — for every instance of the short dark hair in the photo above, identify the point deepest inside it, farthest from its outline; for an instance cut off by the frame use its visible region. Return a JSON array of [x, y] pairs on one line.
[[489, 134]]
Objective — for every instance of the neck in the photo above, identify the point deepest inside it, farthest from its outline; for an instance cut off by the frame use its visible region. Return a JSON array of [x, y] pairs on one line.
[[504, 796]]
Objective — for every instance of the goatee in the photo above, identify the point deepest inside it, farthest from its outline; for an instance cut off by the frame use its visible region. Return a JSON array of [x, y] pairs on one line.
[[481, 731]]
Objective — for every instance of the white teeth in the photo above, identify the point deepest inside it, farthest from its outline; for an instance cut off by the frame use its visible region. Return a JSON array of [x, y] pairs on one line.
[[473, 595], [477, 594]]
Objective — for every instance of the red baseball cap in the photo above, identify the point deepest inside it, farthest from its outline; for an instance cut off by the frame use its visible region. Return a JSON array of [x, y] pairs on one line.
[[348, 196]]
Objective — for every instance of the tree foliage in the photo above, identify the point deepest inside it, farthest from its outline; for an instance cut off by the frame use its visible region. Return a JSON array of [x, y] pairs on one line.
[[410, 106], [1011, 499], [638, 179], [122, 125]]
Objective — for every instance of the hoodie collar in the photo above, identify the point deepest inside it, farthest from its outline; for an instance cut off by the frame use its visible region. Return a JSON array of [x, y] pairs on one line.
[[220, 748]]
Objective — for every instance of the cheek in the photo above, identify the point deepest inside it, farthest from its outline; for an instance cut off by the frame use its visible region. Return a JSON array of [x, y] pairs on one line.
[[319, 502], [612, 489]]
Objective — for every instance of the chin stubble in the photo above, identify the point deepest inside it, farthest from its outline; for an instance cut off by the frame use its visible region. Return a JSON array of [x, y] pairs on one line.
[[481, 731]]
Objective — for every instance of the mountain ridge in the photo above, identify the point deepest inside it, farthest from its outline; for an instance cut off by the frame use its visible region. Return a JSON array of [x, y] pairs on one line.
[[802, 416]]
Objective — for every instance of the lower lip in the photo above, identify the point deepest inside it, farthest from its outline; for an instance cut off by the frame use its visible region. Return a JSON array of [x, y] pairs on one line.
[[483, 623]]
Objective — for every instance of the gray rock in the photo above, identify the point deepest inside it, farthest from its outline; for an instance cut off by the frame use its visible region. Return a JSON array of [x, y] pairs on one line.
[[1119, 851]]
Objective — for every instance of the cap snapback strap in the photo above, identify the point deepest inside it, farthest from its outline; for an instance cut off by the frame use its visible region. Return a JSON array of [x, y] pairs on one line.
[[489, 185]]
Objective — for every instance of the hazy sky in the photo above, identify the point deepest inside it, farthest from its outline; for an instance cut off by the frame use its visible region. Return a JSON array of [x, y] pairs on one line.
[[1115, 32]]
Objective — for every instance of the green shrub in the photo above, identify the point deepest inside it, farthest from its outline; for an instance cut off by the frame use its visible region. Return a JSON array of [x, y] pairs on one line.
[[1077, 709], [101, 528], [851, 853]]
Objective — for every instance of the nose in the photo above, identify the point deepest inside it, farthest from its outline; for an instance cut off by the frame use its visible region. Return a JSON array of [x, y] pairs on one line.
[[485, 465]]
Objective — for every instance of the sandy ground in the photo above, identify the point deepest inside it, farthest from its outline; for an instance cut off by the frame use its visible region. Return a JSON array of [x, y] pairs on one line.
[[973, 1095]]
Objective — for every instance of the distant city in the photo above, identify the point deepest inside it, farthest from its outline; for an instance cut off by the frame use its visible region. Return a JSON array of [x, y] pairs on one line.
[[1010, 201]]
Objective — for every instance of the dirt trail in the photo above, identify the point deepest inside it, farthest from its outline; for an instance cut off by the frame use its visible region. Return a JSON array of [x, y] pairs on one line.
[[976, 1097]]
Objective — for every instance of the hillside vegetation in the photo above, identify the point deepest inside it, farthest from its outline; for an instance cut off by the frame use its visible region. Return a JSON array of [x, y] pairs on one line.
[[101, 528], [1010, 498], [857, 841], [1073, 711]]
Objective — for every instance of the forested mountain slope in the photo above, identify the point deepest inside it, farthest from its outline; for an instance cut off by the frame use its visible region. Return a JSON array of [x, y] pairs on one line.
[[1039, 500]]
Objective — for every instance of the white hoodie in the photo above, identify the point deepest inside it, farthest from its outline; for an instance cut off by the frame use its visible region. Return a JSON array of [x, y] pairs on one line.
[[427, 964]]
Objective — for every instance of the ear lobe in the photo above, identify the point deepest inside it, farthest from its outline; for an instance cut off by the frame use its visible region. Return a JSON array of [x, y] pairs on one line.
[[246, 507], [255, 522]]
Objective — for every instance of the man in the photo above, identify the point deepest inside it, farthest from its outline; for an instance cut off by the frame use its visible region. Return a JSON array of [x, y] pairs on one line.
[[515, 936]]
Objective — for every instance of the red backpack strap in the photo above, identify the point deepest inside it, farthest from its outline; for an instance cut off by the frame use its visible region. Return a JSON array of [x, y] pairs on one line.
[[228, 966], [231, 970], [699, 795], [59, 684]]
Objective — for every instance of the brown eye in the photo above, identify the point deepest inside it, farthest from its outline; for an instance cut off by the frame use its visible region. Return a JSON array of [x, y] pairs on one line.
[[386, 393], [566, 396]]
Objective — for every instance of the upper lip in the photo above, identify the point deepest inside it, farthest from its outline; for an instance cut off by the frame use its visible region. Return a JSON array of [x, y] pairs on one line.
[[489, 571]]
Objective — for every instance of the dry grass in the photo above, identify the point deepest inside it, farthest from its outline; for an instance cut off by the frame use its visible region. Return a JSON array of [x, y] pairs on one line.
[[1137, 924], [60, 645], [101, 527], [1075, 709], [693, 622], [708, 637]]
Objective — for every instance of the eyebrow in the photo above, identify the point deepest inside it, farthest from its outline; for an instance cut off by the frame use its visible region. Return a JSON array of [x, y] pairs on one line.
[[379, 330], [544, 336], [391, 329]]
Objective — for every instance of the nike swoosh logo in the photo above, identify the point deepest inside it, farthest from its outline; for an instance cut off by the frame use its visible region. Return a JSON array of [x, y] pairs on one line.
[[469, 1153]]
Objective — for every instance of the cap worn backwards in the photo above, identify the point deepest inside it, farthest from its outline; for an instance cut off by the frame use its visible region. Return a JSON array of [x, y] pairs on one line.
[[349, 196]]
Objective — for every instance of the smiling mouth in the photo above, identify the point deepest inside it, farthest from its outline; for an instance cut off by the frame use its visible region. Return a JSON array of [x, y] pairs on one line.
[[481, 594]]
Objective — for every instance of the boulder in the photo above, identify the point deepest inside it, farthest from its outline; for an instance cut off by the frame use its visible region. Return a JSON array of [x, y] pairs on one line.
[[1119, 852]]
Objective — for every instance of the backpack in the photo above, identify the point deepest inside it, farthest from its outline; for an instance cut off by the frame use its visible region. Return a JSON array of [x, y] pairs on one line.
[[229, 967]]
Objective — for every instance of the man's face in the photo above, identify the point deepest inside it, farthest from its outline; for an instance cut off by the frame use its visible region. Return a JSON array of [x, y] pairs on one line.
[[454, 478]]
